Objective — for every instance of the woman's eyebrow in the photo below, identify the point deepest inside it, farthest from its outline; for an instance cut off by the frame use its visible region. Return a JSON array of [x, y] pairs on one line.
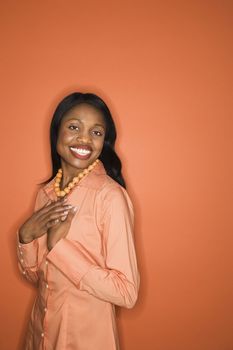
[[73, 119], [101, 125], [79, 120]]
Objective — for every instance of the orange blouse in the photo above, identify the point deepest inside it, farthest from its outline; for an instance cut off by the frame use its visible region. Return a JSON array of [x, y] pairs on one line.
[[83, 277]]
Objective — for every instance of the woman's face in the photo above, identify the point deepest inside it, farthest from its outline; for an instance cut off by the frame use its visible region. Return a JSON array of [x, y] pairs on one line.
[[80, 138]]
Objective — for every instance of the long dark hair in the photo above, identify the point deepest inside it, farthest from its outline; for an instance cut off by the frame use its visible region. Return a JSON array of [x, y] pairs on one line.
[[108, 156]]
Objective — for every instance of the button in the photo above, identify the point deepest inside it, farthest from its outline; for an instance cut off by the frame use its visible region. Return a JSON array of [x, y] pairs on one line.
[[47, 286], [42, 334], [45, 309], [21, 260], [24, 272], [21, 253], [46, 262], [19, 246]]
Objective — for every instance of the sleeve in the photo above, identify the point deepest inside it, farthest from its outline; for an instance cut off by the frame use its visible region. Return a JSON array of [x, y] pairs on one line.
[[27, 253], [118, 282]]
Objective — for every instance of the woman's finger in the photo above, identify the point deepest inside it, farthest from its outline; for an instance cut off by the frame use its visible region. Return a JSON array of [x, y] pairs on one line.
[[53, 209], [52, 203], [53, 216], [71, 214], [52, 223]]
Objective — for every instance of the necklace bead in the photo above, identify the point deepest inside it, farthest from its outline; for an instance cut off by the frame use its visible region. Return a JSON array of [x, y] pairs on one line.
[[73, 183]]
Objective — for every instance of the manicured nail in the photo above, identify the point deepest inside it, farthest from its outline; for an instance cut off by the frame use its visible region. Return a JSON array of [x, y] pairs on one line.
[[75, 209]]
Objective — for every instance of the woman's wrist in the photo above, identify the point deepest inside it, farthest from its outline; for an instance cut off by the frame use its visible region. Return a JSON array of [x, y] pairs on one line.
[[24, 239]]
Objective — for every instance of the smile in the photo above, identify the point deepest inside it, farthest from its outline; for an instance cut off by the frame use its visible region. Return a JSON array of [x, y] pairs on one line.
[[81, 151]]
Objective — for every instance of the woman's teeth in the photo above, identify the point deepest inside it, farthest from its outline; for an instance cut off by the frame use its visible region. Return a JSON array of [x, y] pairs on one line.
[[80, 151]]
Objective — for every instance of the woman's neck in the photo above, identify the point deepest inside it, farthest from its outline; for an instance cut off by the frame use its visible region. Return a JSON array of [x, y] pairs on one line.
[[68, 174]]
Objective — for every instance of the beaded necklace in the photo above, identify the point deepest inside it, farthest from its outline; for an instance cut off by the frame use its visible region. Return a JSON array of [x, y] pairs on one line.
[[74, 182]]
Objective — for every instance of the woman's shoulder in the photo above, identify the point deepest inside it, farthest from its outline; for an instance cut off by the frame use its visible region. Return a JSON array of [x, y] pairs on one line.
[[110, 185], [111, 191]]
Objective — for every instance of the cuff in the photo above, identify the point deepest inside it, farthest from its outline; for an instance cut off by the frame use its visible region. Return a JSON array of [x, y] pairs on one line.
[[27, 253], [71, 258]]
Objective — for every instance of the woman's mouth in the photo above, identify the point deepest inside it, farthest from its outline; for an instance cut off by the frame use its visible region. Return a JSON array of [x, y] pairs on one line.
[[81, 152]]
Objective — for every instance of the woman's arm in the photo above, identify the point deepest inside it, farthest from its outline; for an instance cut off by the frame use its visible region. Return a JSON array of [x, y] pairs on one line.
[[32, 238], [27, 253], [27, 259], [118, 282]]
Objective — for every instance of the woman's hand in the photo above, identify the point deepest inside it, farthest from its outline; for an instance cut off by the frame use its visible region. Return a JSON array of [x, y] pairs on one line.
[[43, 219], [60, 229]]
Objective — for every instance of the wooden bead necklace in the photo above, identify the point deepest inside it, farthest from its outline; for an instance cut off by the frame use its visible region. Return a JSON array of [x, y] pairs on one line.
[[74, 182]]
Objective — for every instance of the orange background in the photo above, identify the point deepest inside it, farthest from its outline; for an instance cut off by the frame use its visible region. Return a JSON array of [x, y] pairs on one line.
[[165, 70]]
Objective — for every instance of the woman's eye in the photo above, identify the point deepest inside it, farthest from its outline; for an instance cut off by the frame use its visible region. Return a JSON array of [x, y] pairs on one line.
[[73, 127], [97, 133]]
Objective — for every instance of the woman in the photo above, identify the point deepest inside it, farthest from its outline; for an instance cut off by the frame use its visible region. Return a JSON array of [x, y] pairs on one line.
[[78, 245]]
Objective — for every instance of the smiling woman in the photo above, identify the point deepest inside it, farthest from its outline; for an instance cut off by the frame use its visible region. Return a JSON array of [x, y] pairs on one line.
[[80, 139], [78, 246]]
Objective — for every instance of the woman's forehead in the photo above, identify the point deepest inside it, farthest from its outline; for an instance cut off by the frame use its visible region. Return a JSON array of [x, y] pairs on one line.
[[84, 113]]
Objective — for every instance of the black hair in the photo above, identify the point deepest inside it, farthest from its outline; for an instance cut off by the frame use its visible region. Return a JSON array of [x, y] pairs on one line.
[[108, 156]]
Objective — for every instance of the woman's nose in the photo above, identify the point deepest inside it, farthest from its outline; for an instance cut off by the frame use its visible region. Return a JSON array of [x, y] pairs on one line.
[[84, 137]]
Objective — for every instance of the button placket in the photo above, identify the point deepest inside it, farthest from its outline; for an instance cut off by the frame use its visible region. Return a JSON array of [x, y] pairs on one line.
[[46, 299]]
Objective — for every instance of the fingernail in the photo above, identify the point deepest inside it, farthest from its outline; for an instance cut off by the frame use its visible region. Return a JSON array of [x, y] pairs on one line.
[[75, 209], [65, 212]]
